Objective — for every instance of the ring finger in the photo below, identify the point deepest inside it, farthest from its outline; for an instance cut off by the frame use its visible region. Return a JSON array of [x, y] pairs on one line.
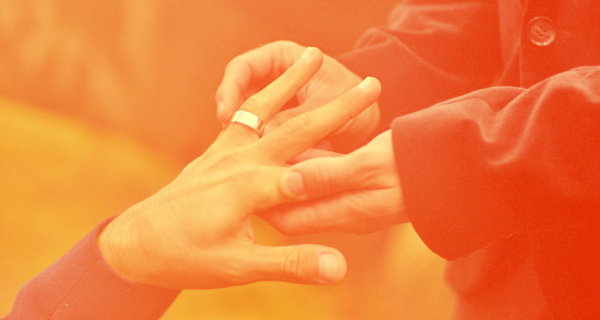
[[268, 101]]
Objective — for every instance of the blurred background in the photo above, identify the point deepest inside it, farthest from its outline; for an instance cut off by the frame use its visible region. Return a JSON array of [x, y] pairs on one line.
[[104, 102]]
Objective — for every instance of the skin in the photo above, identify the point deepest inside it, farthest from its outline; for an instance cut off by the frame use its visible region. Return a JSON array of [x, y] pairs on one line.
[[355, 193], [251, 71], [196, 232]]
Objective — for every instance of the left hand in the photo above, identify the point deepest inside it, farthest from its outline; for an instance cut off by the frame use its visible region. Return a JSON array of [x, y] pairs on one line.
[[357, 193], [251, 70], [196, 233]]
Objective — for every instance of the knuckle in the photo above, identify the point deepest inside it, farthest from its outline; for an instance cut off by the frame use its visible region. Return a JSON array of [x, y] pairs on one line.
[[322, 180], [295, 264], [238, 66], [370, 214], [285, 46], [252, 103], [232, 65], [298, 124], [286, 43], [366, 163]]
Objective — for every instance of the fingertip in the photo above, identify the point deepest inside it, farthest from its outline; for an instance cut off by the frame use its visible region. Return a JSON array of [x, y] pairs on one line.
[[317, 52], [332, 267], [292, 185], [312, 55], [371, 89], [369, 82], [307, 54]]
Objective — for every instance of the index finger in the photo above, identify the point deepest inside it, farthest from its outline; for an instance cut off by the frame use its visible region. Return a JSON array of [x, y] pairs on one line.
[[301, 132]]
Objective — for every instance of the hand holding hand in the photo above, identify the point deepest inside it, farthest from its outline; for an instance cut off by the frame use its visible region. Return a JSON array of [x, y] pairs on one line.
[[196, 232], [249, 72], [357, 193]]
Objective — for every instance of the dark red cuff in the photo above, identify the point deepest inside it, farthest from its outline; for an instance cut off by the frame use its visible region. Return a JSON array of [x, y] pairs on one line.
[[81, 285]]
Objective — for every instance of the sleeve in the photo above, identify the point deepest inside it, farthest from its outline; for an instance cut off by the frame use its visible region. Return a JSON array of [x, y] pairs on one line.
[[430, 51], [502, 161], [81, 285]]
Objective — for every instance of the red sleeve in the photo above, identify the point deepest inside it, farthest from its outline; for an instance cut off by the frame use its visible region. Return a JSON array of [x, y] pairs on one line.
[[431, 50], [502, 161], [81, 285]]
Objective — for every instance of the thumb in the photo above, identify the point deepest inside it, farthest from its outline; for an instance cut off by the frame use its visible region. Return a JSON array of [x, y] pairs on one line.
[[319, 177], [307, 264]]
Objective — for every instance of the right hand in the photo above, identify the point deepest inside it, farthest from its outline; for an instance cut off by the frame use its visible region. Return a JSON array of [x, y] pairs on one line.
[[251, 71], [355, 193]]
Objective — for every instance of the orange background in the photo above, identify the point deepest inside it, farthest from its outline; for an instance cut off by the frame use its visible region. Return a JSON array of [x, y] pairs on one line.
[[103, 102]]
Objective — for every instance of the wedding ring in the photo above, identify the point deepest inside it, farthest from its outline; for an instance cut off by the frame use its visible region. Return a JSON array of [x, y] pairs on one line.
[[249, 120]]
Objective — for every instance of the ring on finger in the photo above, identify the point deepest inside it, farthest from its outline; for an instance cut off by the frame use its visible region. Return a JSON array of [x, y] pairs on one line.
[[249, 120]]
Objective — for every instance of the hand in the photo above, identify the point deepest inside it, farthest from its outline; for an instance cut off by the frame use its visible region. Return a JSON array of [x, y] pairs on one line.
[[196, 232], [248, 72], [358, 193]]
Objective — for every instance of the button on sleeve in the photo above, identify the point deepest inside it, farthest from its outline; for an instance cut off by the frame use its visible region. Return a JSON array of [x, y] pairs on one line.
[[542, 31]]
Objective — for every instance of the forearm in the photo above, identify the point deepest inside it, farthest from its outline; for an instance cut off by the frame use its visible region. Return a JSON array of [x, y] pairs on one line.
[[502, 161]]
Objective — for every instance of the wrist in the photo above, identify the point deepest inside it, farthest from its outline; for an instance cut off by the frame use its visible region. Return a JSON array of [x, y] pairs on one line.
[[108, 247], [115, 245]]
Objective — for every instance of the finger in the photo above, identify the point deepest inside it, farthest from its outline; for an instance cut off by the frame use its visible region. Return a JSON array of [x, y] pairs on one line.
[[300, 133], [247, 71], [313, 153], [321, 177], [268, 101], [285, 115], [308, 264], [345, 138], [359, 211]]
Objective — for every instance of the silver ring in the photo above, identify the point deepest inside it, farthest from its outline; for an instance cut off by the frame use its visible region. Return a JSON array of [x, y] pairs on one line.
[[249, 120]]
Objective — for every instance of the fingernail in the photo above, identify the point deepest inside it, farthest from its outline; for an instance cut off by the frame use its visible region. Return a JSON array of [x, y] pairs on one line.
[[366, 84], [308, 53], [327, 267], [294, 184]]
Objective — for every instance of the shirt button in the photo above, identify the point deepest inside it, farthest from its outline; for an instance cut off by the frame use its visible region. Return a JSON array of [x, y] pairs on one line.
[[542, 31]]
